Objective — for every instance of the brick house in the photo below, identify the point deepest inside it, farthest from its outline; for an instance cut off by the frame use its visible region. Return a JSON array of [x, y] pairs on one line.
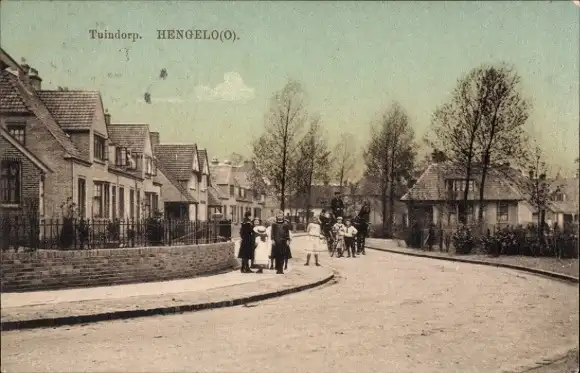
[[437, 194], [131, 151], [24, 114], [22, 177], [180, 162], [233, 182], [68, 131]]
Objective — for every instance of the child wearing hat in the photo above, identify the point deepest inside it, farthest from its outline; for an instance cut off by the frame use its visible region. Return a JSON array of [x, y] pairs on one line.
[[316, 241], [263, 247]]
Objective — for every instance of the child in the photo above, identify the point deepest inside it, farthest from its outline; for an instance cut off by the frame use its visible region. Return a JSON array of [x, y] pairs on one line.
[[257, 222], [349, 236], [263, 247], [339, 230], [316, 243]]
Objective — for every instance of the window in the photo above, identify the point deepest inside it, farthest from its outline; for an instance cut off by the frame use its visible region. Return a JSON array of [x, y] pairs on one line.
[[10, 182], [154, 202], [154, 168], [98, 200], [82, 197], [459, 185], [452, 210], [122, 202], [232, 191], [138, 204], [502, 212], [114, 201], [121, 157], [41, 196], [101, 199], [148, 166], [18, 131], [100, 149], [132, 204], [203, 182], [559, 197]]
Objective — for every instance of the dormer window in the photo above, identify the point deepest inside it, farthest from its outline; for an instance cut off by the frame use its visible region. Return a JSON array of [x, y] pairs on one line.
[[559, 197], [18, 131], [148, 166], [121, 157], [458, 185], [99, 148]]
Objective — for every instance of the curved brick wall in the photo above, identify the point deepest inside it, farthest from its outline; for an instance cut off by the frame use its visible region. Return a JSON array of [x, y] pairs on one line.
[[49, 270]]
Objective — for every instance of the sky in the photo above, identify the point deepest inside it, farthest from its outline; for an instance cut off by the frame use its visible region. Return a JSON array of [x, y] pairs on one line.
[[352, 58]]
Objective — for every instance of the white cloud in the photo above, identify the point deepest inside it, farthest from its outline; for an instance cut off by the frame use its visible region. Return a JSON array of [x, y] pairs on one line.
[[232, 88]]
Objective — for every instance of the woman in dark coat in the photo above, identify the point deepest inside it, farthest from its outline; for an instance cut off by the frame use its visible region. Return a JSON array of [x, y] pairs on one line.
[[246, 252]]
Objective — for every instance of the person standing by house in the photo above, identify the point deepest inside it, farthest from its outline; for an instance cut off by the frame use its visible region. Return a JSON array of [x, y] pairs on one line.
[[247, 243], [349, 236], [339, 228], [280, 241], [288, 252], [337, 205], [256, 223], [316, 241]]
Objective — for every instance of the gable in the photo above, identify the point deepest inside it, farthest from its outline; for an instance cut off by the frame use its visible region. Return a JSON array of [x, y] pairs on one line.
[[22, 150], [99, 123], [195, 166]]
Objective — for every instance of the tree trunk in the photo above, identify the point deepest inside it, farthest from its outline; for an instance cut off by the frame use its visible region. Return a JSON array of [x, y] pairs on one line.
[[481, 199], [384, 205], [463, 209], [391, 206]]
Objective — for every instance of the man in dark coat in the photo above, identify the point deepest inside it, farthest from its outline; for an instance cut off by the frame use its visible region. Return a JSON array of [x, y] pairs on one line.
[[337, 205], [280, 241], [246, 252], [364, 216]]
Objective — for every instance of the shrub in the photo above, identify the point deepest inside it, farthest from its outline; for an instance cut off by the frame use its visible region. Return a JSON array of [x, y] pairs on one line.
[[154, 230], [463, 240]]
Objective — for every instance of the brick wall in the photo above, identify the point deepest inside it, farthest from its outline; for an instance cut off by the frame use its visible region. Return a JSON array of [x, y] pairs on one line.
[[30, 179], [82, 141], [49, 270]]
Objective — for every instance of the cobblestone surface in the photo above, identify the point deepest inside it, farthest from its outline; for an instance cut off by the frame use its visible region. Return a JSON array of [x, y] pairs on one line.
[[388, 313]]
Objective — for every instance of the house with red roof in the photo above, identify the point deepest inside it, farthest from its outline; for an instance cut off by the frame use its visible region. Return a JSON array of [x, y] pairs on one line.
[[437, 194], [233, 182], [67, 131]]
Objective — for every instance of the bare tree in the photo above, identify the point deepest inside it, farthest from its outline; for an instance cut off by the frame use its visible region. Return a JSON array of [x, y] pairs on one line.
[[313, 161], [501, 138], [456, 125], [344, 157], [389, 158], [276, 149]]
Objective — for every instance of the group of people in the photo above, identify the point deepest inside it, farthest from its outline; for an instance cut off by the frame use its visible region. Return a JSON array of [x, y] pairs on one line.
[[269, 242], [265, 243]]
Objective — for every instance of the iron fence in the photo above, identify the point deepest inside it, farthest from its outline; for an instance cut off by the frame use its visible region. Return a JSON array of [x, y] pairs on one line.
[[78, 234]]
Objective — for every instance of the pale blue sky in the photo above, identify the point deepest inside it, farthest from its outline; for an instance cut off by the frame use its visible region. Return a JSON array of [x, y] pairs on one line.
[[353, 59]]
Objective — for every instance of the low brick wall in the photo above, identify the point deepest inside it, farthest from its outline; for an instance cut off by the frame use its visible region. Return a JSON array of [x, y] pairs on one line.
[[49, 270]]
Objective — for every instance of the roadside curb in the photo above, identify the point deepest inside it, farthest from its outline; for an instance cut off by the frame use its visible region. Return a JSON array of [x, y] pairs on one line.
[[553, 275], [120, 315], [541, 272]]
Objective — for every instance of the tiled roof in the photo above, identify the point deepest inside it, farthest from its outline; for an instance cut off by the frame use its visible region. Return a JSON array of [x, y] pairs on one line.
[[32, 101], [10, 99], [177, 159], [222, 174], [184, 192], [431, 185], [131, 136], [72, 109], [213, 196]]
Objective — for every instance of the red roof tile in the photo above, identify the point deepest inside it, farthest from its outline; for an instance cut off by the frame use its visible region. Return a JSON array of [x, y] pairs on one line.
[[130, 136], [431, 185], [10, 99], [30, 98], [72, 109], [177, 159]]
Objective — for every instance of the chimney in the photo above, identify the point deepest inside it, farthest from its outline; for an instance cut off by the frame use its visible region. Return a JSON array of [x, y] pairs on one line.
[[34, 79], [107, 118], [154, 136], [25, 68], [215, 161]]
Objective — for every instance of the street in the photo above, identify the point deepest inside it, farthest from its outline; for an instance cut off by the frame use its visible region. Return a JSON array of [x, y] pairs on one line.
[[387, 313]]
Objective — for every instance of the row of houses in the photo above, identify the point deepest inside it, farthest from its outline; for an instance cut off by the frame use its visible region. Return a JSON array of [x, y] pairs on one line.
[[436, 195], [61, 151]]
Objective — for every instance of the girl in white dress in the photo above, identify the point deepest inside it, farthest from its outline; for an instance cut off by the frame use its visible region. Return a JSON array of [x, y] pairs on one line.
[[263, 246], [316, 241]]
